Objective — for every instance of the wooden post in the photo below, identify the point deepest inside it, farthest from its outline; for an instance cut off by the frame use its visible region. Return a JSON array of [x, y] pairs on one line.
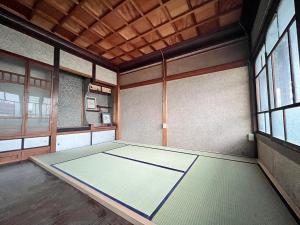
[[55, 86], [164, 105], [117, 108]]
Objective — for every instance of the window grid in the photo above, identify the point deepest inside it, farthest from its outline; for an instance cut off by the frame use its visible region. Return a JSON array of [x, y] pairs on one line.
[[273, 107]]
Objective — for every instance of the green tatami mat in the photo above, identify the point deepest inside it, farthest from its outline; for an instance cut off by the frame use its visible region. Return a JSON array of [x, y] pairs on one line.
[[223, 192], [168, 159], [138, 185], [200, 153], [65, 155]]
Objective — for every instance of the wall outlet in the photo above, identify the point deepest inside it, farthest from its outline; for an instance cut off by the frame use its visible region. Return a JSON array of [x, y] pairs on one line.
[[251, 137]]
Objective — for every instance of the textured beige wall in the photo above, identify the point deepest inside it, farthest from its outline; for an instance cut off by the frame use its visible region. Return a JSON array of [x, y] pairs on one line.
[[106, 75], [148, 73], [24, 45], [230, 53], [211, 112], [75, 63], [141, 115], [277, 159]]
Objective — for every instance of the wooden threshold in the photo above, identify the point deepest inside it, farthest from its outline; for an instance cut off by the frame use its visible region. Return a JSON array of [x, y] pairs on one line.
[[120, 210]]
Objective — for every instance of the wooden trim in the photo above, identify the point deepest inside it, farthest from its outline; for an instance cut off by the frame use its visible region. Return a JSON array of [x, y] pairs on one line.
[[103, 128], [142, 83], [74, 132], [117, 108], [55, 87], [207, 70], [10, 156], [280, 189], [26, 153], [75, 72], [164, 105]]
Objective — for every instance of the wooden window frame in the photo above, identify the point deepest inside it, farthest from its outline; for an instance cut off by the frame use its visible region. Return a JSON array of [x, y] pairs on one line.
[[283, 108], [28, 63]]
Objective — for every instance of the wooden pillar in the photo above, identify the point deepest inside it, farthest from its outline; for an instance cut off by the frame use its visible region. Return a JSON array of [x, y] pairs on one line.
[[55, 85], [164, 105], [117, 107]]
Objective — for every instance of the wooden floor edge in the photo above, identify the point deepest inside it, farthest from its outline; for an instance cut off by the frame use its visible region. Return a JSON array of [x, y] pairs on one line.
[[287, 198], [110, 204]]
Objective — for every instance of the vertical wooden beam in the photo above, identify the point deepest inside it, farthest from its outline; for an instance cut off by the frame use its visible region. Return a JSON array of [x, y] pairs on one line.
[[164, 105], [117, 108], [55, 86], [25, 97]]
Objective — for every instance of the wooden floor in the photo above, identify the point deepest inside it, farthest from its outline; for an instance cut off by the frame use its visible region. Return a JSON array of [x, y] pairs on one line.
[[29, 195]]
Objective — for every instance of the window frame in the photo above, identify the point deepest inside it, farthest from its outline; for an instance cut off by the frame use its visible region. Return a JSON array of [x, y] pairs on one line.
[[24, 133], [268, 56]]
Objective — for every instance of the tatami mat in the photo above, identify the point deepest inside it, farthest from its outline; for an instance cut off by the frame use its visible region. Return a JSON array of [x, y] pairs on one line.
[[140, 186], [200, 153], [65, 155], [168, 159], [222, 192]]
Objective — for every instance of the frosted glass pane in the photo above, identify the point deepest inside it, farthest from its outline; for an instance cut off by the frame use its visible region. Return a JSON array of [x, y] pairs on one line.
[[286, 11], [39, 100], [267, 118], [293, 125], [261, 122], [257, 64], [257, 94], [295, 60], [277, 124], [11, 95], [282, 74], [272, 35], [270, 73], [260, 60], [263, 91]]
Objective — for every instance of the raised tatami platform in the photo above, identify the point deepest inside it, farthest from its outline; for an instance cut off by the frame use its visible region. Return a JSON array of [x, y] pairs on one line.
[[167, 186]]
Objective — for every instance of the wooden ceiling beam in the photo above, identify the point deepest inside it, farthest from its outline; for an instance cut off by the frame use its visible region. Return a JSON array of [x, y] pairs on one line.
[[193, 15]]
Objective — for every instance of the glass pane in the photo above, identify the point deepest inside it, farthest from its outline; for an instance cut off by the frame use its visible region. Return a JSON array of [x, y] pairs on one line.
[[261, 122], [272, 35], [267, 118], [270, 73], [277, 124], [257, 94], [286, 11], [293, 125], [260, 60], [295, 60], [282, 74], [12, 77], [39, 100], [263, 91]]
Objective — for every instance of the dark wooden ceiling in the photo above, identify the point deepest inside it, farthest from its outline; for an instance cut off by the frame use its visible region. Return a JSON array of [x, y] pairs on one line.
[[124, 30]]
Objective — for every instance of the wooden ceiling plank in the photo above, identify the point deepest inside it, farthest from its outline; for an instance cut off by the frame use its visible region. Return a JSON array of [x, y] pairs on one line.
[[193, 26], [193, 15], [175, 18]]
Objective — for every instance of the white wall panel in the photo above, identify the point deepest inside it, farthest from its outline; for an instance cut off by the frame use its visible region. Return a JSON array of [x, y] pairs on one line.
[[106, 75], [68, 141], [211, 112], [36, 142], [103, 136], [141, 114], [8, 145], [73, 62], [22, 44]]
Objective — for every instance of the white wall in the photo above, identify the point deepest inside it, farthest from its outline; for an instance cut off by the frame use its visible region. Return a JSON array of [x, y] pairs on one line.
[[106, 75], [24, 45], [211, 112], [75, 63], [141, 117]]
